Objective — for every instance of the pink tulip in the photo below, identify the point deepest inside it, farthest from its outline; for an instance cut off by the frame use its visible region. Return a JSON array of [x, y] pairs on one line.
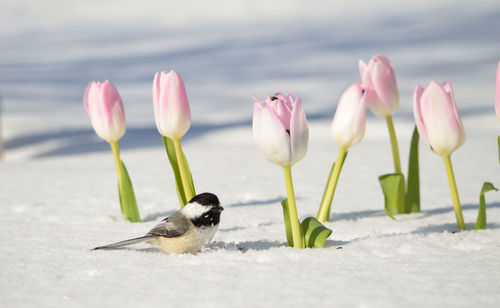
[[280, 129], [348, 125], [437, 118], [379, 81], [171, 106], [497, 96], [104, 106]]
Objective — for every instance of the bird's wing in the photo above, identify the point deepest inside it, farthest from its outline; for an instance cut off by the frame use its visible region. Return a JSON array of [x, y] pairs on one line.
[[173, 226]]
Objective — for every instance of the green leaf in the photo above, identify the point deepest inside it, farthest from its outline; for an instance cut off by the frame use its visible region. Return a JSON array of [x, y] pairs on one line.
[[169, 147], [481, 215], [499, 149], [393, 187], [128, 204], [315, 233], [412, 200], [286, 218]]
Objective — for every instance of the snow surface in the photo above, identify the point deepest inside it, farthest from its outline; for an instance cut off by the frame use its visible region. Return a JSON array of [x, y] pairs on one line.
[[58, 193]]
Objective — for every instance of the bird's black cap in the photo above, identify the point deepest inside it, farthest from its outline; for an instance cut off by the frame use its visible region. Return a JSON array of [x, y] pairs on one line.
[[206, 199]]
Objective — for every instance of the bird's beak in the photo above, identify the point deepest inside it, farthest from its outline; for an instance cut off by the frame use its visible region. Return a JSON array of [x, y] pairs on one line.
[[219, 209]]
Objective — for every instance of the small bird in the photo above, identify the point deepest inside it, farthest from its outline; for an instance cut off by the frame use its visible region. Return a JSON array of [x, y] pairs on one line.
[[185, 231]]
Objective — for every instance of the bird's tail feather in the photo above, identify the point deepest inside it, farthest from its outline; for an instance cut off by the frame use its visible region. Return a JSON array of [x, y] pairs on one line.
[[126, 242]]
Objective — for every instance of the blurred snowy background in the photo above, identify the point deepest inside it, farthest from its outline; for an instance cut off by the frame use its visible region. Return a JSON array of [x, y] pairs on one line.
[[226, 51]]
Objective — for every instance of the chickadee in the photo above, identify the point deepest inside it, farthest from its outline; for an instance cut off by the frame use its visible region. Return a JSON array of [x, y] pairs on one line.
[[185, 231]]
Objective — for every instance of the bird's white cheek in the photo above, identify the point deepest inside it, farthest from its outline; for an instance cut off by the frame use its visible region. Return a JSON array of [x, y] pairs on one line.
[[194, 210]]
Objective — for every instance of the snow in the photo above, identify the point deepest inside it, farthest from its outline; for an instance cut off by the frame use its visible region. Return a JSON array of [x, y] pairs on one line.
[[58, 195]]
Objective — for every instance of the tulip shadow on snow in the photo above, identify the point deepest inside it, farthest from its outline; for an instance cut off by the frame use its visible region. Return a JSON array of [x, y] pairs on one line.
[[81, 141], [261, 245], [465, 207], [423, 214], [356, 215], [156, 216], [245, 246], [258, 202], [450, 227]]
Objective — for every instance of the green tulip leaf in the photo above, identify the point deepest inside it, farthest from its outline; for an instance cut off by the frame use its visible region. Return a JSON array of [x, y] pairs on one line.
[[481, 215], [128, 204], [499, 149], [286, 218], [393, 187], [315, 233], [412, 200], [172, 157]]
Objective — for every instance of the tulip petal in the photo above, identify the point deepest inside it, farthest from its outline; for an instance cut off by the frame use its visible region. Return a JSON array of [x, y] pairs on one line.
[[439, 115], [454, 116], [384, 83], [86, 101], [422, 131], [379, 82], [283, 113], [270, 135], [156, 98], [299, 131], [359, 121], [348, 125], [173, 112], [105, 108]]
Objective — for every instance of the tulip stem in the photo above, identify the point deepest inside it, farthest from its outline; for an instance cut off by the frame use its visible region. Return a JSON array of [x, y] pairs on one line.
[[183, 170], [115, 148], [326, 202], [454, 193], [298, 241], [394, 144]]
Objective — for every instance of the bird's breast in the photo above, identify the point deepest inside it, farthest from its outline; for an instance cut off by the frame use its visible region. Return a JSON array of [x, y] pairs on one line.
[[190, 242]]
